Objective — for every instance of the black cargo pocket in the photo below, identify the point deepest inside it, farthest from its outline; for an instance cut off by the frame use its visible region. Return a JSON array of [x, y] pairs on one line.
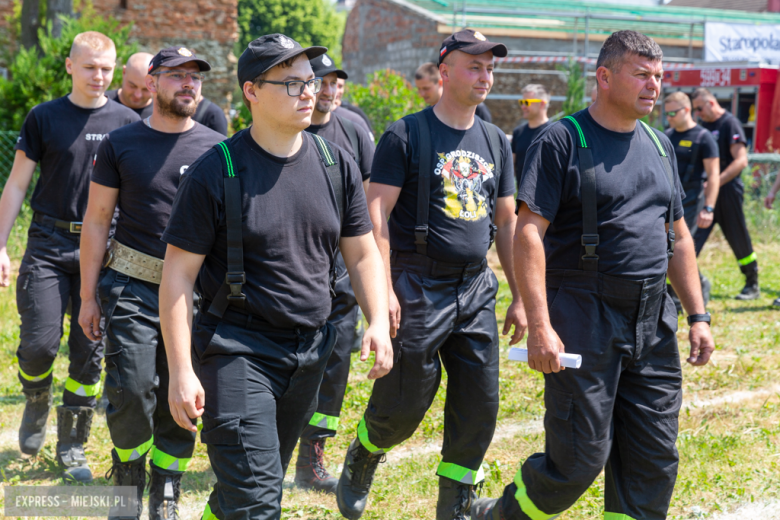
[[559, 425], [113, 382], [221, 430]]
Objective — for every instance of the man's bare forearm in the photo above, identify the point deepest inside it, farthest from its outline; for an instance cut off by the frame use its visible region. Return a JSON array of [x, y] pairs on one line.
[[733, 170], [530, 265], [504, 247], [14, 192], [382, 238], [713, 185], [683, 272], [176, 318], [368, 280], [94, 235]]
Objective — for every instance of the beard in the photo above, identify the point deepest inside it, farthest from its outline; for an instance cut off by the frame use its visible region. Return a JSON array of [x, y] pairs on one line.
[[171, 106], [325, 107]]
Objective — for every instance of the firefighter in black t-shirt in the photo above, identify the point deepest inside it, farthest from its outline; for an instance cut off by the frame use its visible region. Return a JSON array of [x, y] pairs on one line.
[[429, 85], [441, 192], [62, 136], [133, 93], [310, 469], [534, 107], [137, 170], [258, 221], [729, 214]]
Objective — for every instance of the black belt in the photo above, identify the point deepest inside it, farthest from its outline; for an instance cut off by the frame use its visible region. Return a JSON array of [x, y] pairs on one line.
[[71, 227], [258, 323], [434, 268]]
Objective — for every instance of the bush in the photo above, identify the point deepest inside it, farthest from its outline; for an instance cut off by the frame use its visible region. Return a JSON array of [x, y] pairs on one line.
[[575, 89], [38, 75], [386, 98]]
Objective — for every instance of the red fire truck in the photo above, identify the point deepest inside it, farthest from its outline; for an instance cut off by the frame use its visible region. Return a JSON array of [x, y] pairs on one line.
[[745, 89]]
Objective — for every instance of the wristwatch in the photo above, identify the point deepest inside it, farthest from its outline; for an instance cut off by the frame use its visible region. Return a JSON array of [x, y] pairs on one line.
[[695, 318], [709, 209]]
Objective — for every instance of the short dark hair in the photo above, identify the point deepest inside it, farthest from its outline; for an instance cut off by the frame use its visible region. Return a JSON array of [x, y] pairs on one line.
[[428, 71], [621, 43], [286, 64], [702, 92]]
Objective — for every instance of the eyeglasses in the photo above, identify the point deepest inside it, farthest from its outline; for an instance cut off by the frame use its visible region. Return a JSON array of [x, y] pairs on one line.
[[672, 113], [698, 109], [295, 88], [527, 102], [181, 75]]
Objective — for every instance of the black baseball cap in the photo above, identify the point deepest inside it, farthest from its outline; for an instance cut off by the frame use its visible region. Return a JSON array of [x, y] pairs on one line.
[[470, 42], [323, 65], [173, 56], [269, 51]]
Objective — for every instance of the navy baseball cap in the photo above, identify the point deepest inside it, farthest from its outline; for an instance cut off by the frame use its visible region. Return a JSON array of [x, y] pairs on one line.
[[323, 65], [268, 51], [470, 42], [174, 56]]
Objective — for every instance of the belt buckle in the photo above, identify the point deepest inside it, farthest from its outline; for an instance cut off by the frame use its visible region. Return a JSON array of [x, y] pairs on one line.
[[75, 227]]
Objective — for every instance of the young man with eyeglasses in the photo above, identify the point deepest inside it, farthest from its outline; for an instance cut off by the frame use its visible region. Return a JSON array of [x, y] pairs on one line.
[[534, 108], [729, 214], [62, 136], [310, 471], [138, 170], [258, 221], [697, 166]]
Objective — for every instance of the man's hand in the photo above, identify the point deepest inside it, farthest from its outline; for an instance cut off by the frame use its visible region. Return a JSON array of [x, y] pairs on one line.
[[5, 268], [395, 313], [377, 341], [702, 344], [89, 319], [515, 315], [705, 219], [769, 200], [544, 345], [186, 399]]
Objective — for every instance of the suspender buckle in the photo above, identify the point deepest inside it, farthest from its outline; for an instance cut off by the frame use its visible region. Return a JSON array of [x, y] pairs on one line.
[[421, 235], [493, 233], [670, 243], [235, 280], [590, 240]]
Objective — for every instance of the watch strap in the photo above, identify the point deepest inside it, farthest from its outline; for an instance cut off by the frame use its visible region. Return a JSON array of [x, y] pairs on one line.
[[696, 318]]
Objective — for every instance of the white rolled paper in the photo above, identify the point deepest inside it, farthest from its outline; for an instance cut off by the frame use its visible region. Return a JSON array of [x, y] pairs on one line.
[[567, 360]]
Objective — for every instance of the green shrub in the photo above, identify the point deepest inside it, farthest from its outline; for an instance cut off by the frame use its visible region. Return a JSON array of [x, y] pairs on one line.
[[575, 88], [386, 98]]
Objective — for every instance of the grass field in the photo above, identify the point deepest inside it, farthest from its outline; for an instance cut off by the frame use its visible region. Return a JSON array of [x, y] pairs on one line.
[[729, 440]]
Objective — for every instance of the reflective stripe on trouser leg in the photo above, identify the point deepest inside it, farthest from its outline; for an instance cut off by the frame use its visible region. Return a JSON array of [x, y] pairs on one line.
[[617, 516], [208, 515], [168, 462], [748, 259], [35, 378], [134, 453], [528, 507], [460, 474], [363, 437], [80, 389], [324, 421]]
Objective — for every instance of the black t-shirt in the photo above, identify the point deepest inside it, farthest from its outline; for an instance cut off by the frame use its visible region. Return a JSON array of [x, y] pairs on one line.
[[145, 166], [64, 139], [352, 116], [483, 112], [463, 183], [144, 112], [335, 132], [726, 130], [633, 195], [357, 110], [290, 226], [522, 137], [684, 143], [211, 116]]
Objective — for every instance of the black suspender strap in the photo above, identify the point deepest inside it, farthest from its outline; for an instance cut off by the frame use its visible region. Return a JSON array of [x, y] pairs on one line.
[[672, 184], [349, 127], [231, 291], [423, 182], [590, 230], [498, 168]]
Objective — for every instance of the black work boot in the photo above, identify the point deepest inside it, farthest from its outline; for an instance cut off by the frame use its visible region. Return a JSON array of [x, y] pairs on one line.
[[751, 290], [310, 472], [164, 496], [356, 478], [486, 509], [32, 432], [73, 426], [129, 474], [455, 500]]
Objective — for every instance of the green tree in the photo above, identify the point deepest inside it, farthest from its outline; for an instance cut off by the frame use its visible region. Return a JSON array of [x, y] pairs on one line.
[[575, 89], [38, 74], [386, 98], [309, 22]]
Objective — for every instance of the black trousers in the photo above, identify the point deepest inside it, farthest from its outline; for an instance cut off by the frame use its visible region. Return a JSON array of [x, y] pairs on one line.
[[618, 412], [259, 382], [448, 316], [49, 279], [730, 216], [138, 414], [343, 316]]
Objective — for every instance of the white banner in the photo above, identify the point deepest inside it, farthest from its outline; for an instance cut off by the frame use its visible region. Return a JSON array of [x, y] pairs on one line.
[[738, 42]]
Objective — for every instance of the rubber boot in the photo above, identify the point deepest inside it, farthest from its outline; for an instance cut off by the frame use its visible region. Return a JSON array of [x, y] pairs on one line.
[[751, 290], [455, 500], [486, 509], [164, 496], [310, 472], [73, 426], [356, 479], [129, 474], [32, 432]]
